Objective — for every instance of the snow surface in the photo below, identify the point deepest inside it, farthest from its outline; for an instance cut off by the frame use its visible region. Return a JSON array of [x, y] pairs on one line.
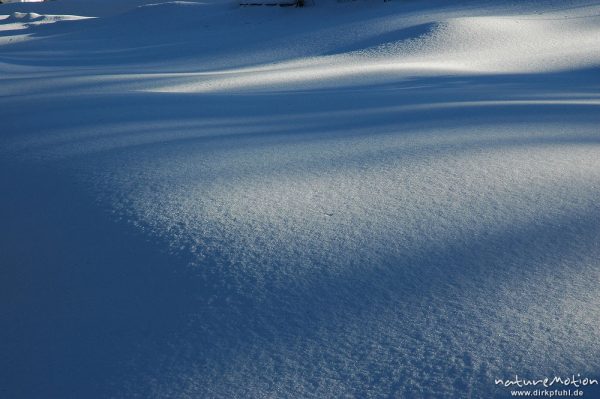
[[359, 199]]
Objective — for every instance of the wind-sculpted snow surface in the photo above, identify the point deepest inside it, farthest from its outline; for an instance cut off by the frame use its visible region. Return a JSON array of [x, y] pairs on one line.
[[356, 199]]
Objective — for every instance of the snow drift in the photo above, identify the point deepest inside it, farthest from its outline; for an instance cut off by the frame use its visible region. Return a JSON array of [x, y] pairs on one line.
[[356, 199]]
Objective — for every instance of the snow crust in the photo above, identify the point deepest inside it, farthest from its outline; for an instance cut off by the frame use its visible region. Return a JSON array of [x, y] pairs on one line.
[[356, 199]]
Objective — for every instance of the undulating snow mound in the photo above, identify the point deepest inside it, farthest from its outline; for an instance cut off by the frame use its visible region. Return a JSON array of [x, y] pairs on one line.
[[486, 45], [17, 27], [514, 45], [358, 199], [91, 8]]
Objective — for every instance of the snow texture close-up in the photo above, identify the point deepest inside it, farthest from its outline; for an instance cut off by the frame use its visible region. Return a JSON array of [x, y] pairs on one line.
[[357, 199]]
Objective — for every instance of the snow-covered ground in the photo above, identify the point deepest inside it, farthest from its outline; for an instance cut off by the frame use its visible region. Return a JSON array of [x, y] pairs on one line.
[[358, 199]]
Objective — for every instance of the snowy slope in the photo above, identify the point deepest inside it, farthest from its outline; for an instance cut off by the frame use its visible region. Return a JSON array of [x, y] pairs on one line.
[[359, 199]]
